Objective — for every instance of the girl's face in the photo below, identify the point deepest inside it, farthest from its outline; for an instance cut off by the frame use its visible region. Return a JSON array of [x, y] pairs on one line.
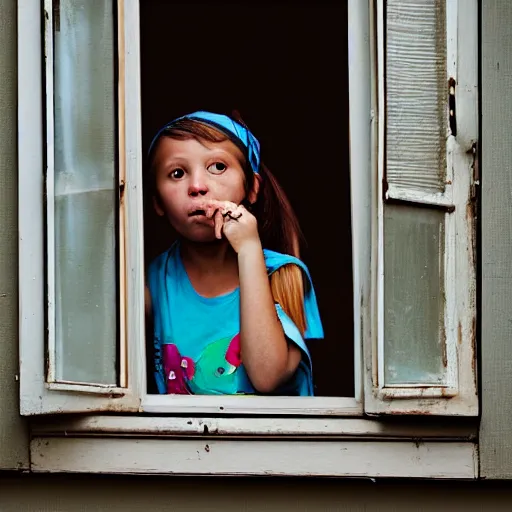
[[188, 172]]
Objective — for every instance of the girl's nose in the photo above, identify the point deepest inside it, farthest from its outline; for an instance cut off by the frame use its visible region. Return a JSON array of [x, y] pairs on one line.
[[198, 185]]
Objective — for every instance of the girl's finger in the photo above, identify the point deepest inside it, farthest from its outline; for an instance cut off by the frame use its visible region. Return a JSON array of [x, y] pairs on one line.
[[211, 206], [230, 208], [219, 222], [210, 210]]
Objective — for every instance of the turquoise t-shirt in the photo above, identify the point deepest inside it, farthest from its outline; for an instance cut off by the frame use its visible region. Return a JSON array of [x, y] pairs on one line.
[[197, 340]]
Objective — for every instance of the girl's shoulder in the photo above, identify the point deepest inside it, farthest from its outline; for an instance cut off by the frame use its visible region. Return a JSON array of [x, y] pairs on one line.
[[275, 260]]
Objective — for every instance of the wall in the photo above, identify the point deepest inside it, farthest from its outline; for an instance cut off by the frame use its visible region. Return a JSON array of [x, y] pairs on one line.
[[13, 434], [496, 310]]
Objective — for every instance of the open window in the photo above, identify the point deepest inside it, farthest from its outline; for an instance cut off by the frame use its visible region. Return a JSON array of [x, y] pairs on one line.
[[397, 303], [79, 165]]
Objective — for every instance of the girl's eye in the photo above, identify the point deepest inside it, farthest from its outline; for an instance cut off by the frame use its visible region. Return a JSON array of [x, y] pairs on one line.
[[217, 168], [177, 173]]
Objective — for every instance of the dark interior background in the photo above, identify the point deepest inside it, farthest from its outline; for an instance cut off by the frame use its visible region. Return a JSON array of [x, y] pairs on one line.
[[284, 68]]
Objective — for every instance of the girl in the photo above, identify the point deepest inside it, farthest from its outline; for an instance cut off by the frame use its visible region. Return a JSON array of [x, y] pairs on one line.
[[230, 314]]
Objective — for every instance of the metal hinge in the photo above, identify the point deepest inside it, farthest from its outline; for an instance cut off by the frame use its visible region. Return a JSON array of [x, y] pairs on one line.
[[451, 107], [475, 182], [475, 178]]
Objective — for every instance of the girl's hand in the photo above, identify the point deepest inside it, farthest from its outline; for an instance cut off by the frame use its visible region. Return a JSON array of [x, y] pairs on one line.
[[235, 221]]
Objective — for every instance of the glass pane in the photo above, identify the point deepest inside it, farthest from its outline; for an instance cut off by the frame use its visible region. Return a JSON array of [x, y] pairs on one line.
[[416, 94], [85, 200], [414, 345]]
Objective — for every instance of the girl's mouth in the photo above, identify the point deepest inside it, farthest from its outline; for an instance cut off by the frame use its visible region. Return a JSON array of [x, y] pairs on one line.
[[197, 213]]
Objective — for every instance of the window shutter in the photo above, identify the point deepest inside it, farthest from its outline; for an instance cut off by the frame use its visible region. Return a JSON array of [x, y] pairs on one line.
[[75, 269], [423, 344]]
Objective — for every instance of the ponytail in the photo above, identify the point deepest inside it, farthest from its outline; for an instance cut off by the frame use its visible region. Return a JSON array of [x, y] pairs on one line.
[[287, 286], [280, 231]]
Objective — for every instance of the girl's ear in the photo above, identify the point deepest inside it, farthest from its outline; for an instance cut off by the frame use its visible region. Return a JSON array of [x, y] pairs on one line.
[[157, 206], [253, 193]]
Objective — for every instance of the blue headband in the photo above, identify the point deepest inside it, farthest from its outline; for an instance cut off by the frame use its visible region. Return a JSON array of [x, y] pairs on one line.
[[228, 126]]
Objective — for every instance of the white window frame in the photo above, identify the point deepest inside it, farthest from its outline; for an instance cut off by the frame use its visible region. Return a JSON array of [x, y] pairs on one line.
[[36, 395], [330, 434], [459, 395]]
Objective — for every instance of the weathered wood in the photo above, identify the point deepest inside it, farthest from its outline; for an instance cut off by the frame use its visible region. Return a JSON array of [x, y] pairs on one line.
[[496, 332], [13, 434], [250, 457], [456, 391], [278, 428]]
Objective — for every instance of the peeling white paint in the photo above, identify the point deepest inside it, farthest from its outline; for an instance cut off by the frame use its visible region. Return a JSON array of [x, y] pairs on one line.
[[251, 457]]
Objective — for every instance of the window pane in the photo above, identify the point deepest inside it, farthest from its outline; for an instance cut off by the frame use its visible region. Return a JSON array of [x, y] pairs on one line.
[[414, 346], [85, 201], [416, 94]]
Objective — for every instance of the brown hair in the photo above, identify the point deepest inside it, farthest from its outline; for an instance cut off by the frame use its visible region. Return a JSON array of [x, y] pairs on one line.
[[278, 226]]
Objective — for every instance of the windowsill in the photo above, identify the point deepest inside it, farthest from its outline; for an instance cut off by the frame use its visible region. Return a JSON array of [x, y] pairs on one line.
[[252, 405], [341, 447]]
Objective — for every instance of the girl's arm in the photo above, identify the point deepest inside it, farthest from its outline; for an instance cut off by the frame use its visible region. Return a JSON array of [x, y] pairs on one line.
[[267, 356]]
